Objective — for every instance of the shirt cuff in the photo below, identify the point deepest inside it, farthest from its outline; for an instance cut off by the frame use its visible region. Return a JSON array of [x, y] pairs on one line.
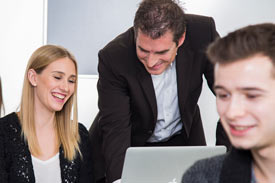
[[117, 181]]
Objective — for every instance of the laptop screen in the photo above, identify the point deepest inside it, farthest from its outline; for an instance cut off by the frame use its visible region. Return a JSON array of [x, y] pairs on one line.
[[163, 164]]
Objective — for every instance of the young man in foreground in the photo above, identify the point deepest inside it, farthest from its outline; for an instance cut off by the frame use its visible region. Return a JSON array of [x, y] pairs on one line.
[[245, 89]]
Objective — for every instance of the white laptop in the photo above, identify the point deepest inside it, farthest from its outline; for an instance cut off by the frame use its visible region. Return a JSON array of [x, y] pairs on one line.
[[163, 164]]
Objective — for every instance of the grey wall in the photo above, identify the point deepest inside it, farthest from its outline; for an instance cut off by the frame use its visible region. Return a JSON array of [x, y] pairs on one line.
[[85, 26]]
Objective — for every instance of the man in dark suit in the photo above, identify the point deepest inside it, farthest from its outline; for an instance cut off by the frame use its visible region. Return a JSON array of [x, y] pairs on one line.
[[150, 79]]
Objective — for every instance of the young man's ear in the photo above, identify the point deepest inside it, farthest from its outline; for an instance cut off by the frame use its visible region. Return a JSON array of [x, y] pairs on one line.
[[181, 40], [32, 76]]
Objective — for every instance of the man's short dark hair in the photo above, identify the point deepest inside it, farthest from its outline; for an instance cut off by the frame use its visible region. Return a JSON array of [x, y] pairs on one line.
[[155, 17], [244, 43]]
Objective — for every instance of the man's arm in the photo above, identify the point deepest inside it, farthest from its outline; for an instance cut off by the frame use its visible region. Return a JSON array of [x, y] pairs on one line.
[[221, 137], [209, 69], [114, 121]]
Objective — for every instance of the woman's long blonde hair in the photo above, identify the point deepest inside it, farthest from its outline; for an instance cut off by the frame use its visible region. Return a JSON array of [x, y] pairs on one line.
[[67, 129]]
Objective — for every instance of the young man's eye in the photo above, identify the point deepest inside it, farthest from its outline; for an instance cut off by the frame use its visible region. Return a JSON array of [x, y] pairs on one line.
[[252, 96], [222, 96]]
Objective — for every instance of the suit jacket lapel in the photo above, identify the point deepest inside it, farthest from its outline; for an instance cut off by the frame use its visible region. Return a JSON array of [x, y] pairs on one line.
[[184, 64], [146, 83], [184, 68]]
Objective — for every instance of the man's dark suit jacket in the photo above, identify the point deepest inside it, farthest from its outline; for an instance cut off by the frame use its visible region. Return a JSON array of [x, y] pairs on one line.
[[127, 102]]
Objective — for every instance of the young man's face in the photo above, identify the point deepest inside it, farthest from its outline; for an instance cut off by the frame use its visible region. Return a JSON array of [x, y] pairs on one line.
[[157, 54], [245, 92]]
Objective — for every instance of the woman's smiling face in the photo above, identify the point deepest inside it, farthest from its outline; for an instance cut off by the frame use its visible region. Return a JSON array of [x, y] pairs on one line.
[[55, 84]]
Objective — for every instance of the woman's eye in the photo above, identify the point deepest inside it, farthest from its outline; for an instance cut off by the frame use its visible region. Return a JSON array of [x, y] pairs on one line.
[[57, 77], [72, 81]]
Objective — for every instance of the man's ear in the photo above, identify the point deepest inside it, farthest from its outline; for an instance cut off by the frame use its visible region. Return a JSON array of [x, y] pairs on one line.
[[181, 40], [32, 76]]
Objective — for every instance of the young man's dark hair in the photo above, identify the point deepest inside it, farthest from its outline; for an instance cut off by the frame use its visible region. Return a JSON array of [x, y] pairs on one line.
[[244, 43]]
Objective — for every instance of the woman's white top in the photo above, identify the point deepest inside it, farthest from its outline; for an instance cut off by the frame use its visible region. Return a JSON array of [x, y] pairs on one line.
[[47, 171]]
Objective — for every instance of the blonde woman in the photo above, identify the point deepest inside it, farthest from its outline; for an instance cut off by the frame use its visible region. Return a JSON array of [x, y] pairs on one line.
[[41, 143]]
